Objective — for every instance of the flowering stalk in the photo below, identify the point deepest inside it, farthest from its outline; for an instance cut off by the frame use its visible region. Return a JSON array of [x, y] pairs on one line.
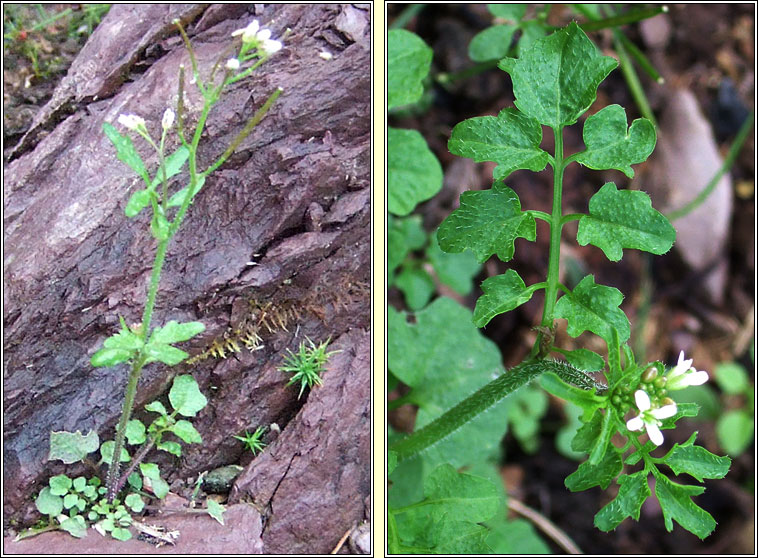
[[164, 229]]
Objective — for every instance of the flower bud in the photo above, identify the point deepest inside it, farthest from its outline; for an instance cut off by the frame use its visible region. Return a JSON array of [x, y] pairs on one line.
[[168, 119], [131, 121], [649, 375], [232, 64]]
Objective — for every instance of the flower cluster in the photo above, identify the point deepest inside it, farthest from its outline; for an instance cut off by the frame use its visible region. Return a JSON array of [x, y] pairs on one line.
[[650, 415], [255, 36]]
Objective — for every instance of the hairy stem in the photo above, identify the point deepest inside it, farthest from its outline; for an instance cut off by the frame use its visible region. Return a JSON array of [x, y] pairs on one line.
[[556, 224]]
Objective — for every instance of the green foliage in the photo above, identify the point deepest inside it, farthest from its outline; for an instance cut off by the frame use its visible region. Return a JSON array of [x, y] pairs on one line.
[[254, 441], [624, 219], [307, 364], [556, 80], [408, 61], [735, 428], [447, 519], [444, 361], [413, 172], [611, 146], [487, 223], [511, 139]]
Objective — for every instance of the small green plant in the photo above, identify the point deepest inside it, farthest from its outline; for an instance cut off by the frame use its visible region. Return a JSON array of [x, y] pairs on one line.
[[448, 366], [85, 499], [307, 364], [141, 344], [254, 441]]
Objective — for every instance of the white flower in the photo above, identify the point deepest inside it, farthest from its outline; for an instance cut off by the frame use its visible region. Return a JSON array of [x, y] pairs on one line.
[[684, 374], [168, 119], [325, 55], [263, 35], [270, 46], [131, 121], [648, 418], [232, 64], [248, 33]]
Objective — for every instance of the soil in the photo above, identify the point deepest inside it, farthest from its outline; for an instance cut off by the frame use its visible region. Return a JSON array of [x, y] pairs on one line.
[[705, 50], [278, 242]]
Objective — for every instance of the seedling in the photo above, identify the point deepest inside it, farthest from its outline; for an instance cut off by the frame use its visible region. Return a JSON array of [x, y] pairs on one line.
[[307, 364], [439, 357], [254, 441]]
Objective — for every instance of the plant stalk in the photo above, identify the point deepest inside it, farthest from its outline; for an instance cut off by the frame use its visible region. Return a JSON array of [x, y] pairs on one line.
[[556, 225]]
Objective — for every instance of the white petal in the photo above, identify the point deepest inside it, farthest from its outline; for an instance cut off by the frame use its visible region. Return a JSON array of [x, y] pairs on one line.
[[263, 35], [635, 424], [642, 399], [664, 412], [654, 433], [232, 64], [681, 367], [697, 377], [270, 46]]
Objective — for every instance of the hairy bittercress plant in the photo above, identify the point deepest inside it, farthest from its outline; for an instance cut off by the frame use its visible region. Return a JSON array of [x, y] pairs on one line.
[[141, 344], [554, 83]]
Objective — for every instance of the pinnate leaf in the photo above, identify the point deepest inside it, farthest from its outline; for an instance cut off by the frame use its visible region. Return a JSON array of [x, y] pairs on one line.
[[632, 494], [696, 461], [610, 146], [588, 475], [556, 80], [676, 504], [487, 222], [624, 219], [408, 61], [510, 139], [502, 293], [595, 308], [413, 172]]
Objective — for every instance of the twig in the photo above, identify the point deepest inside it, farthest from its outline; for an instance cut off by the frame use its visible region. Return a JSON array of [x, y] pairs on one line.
[[545, 525], [342, 541]]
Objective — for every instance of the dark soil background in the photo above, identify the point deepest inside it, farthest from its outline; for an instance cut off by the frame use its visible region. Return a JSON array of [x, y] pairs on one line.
[[703, 308]]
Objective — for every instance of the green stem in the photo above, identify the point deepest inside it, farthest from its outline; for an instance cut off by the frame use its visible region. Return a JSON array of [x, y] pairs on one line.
[[406, 16], [466, 410], [257, 117], [632, 79], [728, 162], [111, 481], [556, 224], [615, 21]]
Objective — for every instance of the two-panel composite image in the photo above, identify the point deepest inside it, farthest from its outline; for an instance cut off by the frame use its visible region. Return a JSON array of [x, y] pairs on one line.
[[378, 279]]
